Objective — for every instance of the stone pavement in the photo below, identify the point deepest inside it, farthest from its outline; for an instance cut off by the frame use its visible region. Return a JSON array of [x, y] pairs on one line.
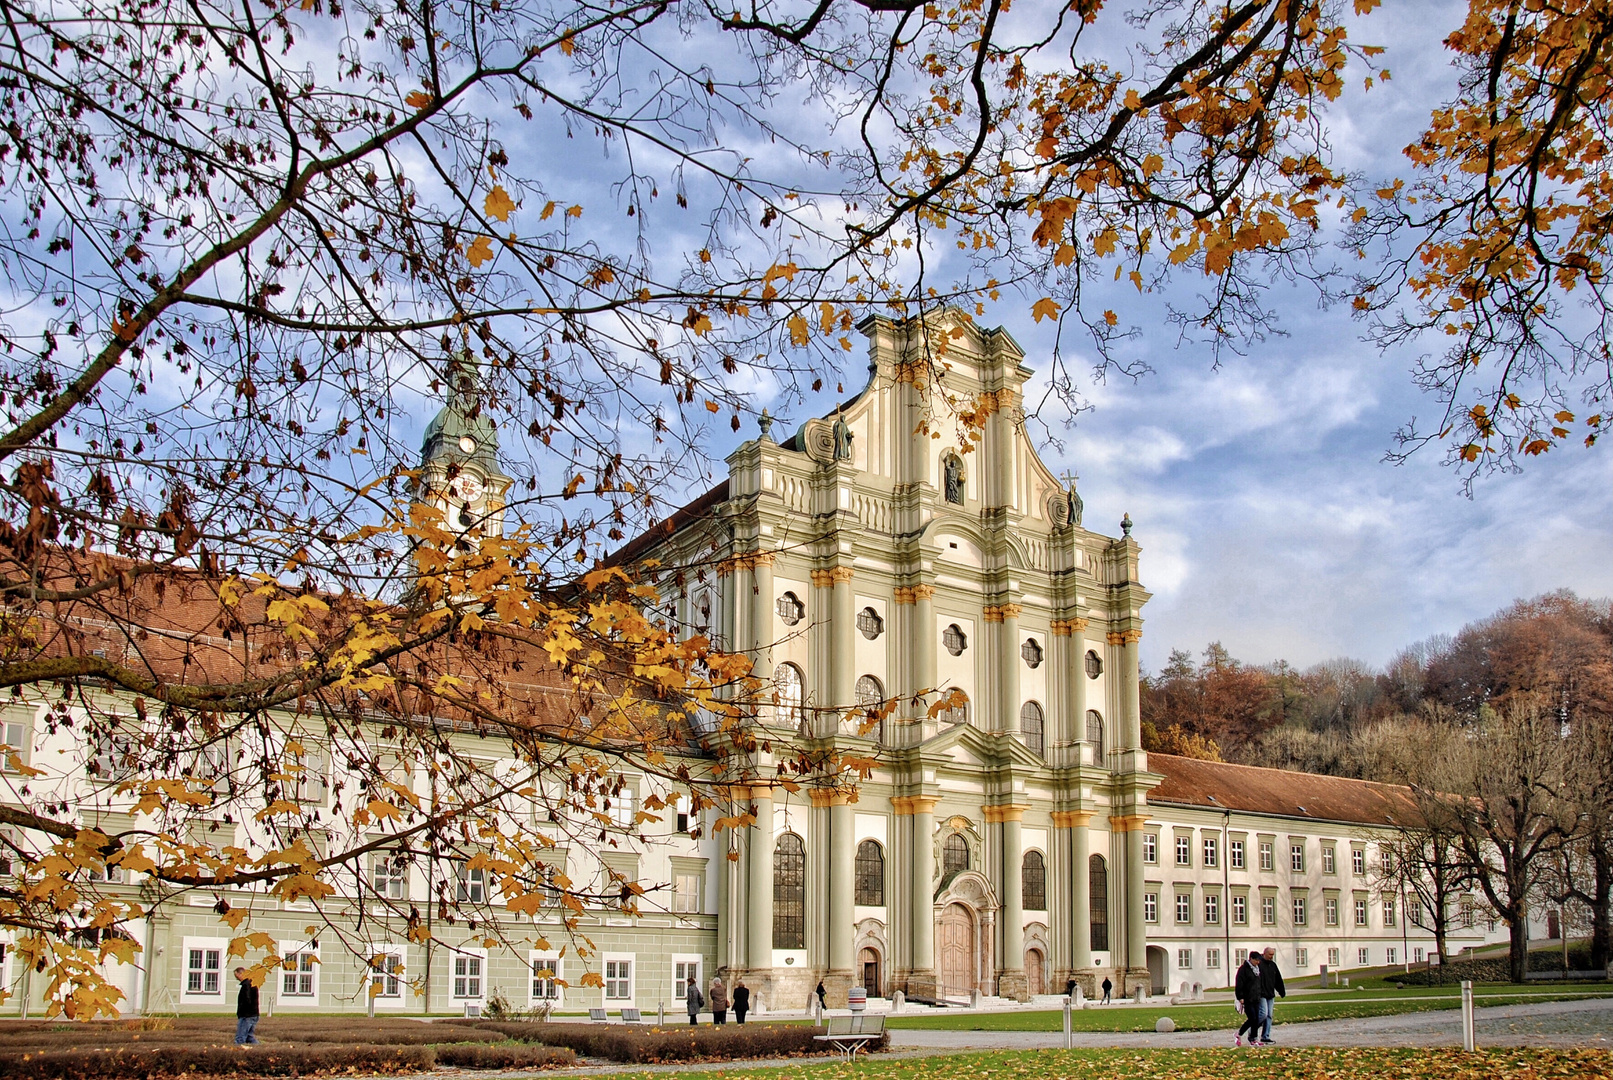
[[1587, 1023]]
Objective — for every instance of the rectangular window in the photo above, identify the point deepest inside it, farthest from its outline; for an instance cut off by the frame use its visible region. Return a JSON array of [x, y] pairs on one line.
[[1299, 910], [386, 974], [1212, 958], [1212, 852], [1184, 851], [1417, 955], [1330, 907], [1362, 956], [1329, 860], [467, 976], [1361, 914], [1302, 958], [17, 742], [1296, 858], [1240, 910], [1268, 910], [1388, 862], [1333, 958], [1358, 862], [309, 770], [685, 820], [1236, 854], [618, 980], [1388, 912], [389, 875], [624, 808], [202, 970], [545, 978], [1391, 955], [1150, 848], [1267, 859], [472, 887], [684, 972], [1212, 909], [1414, 911], [686, 892], [1151, 907], [1184, 959], [1184, 907], [299, 972]]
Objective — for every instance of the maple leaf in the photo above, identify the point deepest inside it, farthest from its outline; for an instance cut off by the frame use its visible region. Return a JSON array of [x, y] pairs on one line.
[[800, 332], [1044, 308], [480, 251], [418, 100], [498, 204]]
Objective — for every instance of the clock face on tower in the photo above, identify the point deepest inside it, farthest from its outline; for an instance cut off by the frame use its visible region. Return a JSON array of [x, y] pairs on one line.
[[467, 444], [469, 488]]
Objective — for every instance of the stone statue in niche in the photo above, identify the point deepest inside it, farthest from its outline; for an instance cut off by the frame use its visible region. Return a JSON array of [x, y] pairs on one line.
[[842, 437], [954, 480]]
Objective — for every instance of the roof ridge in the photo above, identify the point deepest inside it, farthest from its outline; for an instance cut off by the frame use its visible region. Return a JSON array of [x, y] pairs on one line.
[[1284, 772]]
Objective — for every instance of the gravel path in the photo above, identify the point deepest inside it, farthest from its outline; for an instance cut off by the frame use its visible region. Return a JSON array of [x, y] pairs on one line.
[[1587, 1023]]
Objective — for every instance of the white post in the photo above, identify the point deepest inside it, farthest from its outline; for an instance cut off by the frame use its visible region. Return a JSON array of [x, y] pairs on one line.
[[662, 1020], [1067, 1039], [1467, 1015]]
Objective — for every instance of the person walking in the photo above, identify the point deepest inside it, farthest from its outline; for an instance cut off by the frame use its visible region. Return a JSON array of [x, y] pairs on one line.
[[741, 1000], [823, 995], [246, 1010], [1069, 988], [719, 1002], [694, 1001], [1247, 989], [1107, 988], [1271, 985]]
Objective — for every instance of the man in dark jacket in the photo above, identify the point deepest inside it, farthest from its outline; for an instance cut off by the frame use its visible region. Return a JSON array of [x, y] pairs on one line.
[[246, 1010], [1271, 985], [1247, 989]]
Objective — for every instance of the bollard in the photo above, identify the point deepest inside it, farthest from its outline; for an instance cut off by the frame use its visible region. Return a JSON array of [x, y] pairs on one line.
[[662, 1020], [1467, 1015], [1068, 1043]]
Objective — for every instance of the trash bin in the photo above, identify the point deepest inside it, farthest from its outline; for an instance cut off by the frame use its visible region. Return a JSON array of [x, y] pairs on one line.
[[857, 999]]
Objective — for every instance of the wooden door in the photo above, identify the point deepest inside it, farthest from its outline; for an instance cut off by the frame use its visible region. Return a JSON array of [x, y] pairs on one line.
[[1033, 971], [870, 973], [956, 948]]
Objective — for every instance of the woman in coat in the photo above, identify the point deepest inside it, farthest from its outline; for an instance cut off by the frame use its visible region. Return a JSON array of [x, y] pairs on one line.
[[741, 1000], [719, 1002], [694, 1001]]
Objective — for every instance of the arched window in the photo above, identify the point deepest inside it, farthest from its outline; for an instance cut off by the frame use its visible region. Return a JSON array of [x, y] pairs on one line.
[[1032, 727], [954, 639], [1094, 665], [956, 713], [1031, 653], [954, 854], [790, 609], [1095, 732], [789, 692], [1033, 881], [1098, 893], [870, 698], [789, 893], [870, 873]]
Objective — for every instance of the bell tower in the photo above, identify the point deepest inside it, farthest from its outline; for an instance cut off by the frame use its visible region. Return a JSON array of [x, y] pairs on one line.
[[459, 471]]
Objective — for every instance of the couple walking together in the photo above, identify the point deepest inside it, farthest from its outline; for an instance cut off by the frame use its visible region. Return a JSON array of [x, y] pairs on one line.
[[1258, 985]]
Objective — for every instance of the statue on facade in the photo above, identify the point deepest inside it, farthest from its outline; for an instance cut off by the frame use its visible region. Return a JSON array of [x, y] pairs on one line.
[[1077, 507], [842, 437], [954, 480]]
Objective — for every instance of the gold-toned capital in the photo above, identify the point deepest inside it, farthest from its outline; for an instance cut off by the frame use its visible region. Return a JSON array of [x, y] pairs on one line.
[[822, 579], [1130, 637], [1071, 819], [762, 558], [1003, 812], [1012, 611], [992, 613], [825, 796], [903, 594], [838, 574], [923, 592], [1115, 637], [1127, 823]]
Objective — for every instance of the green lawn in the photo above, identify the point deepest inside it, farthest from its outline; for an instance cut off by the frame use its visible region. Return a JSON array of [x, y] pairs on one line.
[[1342, 1005], [1267, 1064]]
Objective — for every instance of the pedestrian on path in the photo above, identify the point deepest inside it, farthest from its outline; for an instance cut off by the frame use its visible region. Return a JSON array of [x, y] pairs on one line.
[[246, 1011], [741, 1000], [1271, 985], [1069, 987], [694, 1001], [719, 1002], [823, 995], [1107, 987], [1247, 989]]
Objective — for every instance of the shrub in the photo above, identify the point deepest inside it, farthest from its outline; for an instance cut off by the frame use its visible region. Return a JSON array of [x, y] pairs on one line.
[[503, 1055], [155, 1063], [634, 1044]]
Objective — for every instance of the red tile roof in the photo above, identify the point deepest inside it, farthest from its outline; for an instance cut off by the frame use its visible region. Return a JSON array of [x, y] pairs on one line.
[[1216, 785]]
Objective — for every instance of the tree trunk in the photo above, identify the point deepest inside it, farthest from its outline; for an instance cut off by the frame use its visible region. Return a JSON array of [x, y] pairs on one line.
[[1518, 950], [1599, 914]]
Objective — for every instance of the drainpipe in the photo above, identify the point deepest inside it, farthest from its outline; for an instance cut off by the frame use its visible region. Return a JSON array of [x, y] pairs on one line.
[[1226, 895]]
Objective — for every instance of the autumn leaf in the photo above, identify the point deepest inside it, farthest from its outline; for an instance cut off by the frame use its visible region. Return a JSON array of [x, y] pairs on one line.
[[498, 204], [480, 251], [800, 332], [418, 100], [1044, 308]]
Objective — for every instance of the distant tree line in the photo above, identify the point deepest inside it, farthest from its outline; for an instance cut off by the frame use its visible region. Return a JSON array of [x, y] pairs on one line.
[[1503, 733]]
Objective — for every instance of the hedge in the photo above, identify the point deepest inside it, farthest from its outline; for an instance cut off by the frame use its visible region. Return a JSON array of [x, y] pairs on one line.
[[503, 1055], [154, 1063], [635, 1044]]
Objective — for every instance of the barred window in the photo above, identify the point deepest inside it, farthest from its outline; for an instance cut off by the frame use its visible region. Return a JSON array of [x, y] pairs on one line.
[[1031, 653], [871, 699], [1095, 731], [869, 622], [1098, 902], [789, 893], [870, 873], [954, 854], [1094, 665], [790, 609], [957, 713], [1033, 881], [954, 639], [789, 692], [1032, 727]]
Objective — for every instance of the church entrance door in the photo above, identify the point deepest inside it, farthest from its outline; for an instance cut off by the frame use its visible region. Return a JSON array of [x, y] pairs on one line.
[[957, 951], [870, 969], [1033, 971]]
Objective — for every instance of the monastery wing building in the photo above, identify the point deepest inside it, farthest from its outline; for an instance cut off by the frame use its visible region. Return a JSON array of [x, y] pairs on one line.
[[1015, 835]]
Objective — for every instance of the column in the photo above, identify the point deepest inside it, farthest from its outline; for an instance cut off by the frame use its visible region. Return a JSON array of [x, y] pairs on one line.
[[921, 878], [1132, 720], [1008, 665], [1011, 965], [1080, 892], [843, 662], [762, 618], [1136, 929], [924, 644], [759, 860], [1076, 682], [841, 919]]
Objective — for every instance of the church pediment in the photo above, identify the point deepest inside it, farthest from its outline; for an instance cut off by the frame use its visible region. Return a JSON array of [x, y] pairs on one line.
[[966, 746]]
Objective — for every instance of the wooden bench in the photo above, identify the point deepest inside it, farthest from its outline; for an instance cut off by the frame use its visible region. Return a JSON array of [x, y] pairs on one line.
[[849, 1034], [631, 1016], [598, 1016]]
